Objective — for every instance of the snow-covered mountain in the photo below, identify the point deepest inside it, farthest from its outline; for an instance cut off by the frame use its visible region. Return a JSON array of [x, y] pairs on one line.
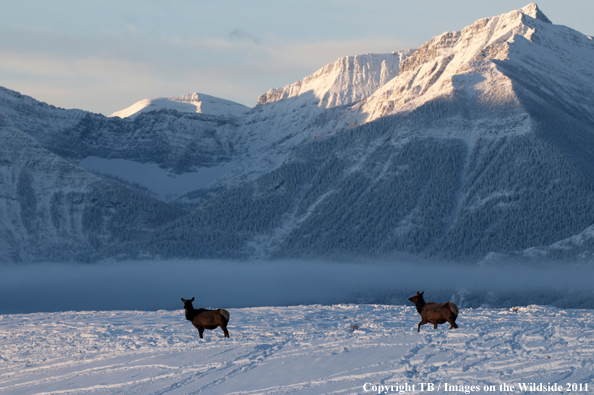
[[191, 103], [172, 149], [490, 61], [463, 153], [468, 146]]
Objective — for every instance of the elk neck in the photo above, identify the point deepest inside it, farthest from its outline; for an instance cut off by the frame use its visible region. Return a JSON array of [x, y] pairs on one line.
[[190, 314], [419, 304]]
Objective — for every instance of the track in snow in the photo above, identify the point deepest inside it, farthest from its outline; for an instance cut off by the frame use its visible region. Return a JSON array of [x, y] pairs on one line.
[[302, 349]]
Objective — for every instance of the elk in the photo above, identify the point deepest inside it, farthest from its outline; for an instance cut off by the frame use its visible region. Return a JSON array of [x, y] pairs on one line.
[[434, 313], [206, 319]]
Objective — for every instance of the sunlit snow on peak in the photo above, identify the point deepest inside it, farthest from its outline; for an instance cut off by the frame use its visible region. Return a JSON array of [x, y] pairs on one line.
[[190, 103]]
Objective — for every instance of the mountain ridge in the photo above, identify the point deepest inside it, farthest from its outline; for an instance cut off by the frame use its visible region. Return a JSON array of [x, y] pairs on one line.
[[464, 148], [343, 82]]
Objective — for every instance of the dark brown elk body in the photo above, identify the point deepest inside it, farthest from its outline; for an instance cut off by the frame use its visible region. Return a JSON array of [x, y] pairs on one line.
[[206, 319], [435, 313]]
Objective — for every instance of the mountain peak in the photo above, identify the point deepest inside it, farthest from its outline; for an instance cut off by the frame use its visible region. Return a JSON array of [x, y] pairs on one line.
[[535, 12], [472, 61], [190, 103]]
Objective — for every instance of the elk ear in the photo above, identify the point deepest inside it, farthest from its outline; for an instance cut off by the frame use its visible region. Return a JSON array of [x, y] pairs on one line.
[[422, 293], [183, 300], [191, 300]]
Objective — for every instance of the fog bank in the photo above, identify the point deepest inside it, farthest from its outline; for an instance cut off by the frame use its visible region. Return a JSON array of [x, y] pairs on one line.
[[155, 285]]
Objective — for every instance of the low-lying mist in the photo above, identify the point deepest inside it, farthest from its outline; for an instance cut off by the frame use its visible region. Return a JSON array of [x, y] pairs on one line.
[[155, 285]]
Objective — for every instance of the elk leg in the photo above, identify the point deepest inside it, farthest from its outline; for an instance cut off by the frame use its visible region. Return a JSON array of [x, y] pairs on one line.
[[419, 326], [224, 328], [434, 326], [453, 324], [201, 331]]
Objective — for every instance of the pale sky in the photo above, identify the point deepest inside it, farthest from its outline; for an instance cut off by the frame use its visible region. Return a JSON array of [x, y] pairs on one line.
[[104, 56]]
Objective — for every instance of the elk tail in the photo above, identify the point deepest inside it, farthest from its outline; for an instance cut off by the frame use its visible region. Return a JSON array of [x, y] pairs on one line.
[[225, 313], [454, 308]]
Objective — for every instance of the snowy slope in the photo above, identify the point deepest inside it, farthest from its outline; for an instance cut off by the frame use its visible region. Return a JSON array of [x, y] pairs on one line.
[[41, 120], [191, 103], [52, 209], [309, 349], [284, 117], [165, 184], [288, 116], [580, 245]]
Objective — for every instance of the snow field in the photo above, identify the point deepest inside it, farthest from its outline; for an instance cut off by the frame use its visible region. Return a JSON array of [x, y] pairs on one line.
[[308, 349]]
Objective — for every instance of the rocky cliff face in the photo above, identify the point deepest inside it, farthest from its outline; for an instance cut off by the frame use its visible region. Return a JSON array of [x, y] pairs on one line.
[[343, 82]]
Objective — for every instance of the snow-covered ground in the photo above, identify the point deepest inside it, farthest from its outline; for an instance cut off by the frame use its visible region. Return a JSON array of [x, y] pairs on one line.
[[165, 184], [85, 330], [310, 349]]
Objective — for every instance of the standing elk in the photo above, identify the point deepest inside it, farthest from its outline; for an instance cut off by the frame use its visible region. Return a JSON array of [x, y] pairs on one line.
[[435, 313], [206, 319]]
